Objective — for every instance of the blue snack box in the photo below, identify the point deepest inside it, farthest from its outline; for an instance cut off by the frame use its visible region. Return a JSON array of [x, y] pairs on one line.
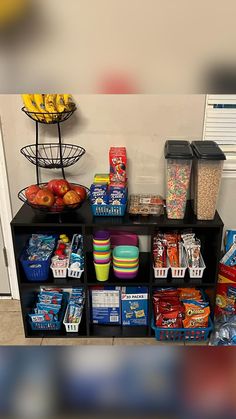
[[106, 306], [134, 306]]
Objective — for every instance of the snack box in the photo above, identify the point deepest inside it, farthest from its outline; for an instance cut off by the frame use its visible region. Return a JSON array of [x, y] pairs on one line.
[[106, 306], [118, 162], [134, 306], [226, 291], [146, 204]]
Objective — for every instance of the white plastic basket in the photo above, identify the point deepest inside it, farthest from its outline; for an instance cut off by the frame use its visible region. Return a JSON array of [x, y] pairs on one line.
[[71, 327], [197, 272], [75, 273], [60, 272], [160, 272], [180, 271]]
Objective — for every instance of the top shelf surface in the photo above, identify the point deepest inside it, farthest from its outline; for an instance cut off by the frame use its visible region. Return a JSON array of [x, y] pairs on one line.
[[27, 216]]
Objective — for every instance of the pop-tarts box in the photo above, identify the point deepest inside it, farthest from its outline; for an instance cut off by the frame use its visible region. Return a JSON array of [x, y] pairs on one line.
[[106, 305], [134, 306]]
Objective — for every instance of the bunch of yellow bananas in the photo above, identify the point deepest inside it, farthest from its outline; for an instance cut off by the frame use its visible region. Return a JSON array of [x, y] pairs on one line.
[[12, 10], [48, 105]]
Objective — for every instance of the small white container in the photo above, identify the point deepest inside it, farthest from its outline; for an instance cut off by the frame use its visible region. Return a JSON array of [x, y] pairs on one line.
[[197, 272], [75, 273], [60, 272], [71, 327], [160, 272]]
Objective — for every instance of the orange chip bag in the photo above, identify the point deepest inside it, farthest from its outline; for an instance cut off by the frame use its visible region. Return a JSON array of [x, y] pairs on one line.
[[196, 314], [189, 294]]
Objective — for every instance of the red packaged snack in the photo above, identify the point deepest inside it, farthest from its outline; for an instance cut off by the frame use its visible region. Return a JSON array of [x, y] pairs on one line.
[[159, 252], [118, 163], [172, 249], [169, 320]]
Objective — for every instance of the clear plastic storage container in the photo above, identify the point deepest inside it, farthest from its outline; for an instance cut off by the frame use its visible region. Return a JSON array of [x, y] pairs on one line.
[[208, 167], [179, 157]]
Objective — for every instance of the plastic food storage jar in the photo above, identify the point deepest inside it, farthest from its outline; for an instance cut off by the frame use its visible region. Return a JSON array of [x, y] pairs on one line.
[[208, 167], [179, 157]]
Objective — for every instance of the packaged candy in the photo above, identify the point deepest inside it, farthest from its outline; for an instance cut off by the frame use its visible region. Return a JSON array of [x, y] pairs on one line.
[[196, 314], [118, 162]]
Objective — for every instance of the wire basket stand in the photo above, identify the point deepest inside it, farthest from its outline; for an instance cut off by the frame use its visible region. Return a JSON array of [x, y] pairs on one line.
[[50, 155]]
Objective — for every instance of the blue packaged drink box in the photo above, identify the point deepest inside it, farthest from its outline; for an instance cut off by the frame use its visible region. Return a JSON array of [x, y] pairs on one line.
[[134, 306], [106, 305]]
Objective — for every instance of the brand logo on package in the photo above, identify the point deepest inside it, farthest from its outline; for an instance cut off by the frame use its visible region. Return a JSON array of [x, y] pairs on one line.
[[134, 297]]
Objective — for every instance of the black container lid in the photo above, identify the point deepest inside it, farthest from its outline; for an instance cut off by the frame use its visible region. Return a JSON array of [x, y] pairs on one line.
[[207, 150], [178, 149]]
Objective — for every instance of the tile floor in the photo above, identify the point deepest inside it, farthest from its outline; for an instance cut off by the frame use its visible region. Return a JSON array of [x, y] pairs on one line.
[[11, 332]]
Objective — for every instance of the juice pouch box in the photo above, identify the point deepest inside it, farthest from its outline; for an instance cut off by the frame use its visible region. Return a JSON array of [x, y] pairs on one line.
[[105, 307], [118, 164], [226, 291], [134, 306]]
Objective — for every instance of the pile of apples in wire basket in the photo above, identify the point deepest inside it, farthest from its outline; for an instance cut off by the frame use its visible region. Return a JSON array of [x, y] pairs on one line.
[[55, 196]]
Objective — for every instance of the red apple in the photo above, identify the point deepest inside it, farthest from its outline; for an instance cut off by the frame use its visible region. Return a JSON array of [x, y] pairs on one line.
[[50, 185], [80, 191], [72, 198], [60, 187], [58, 204], [31, 193], [45, 198]]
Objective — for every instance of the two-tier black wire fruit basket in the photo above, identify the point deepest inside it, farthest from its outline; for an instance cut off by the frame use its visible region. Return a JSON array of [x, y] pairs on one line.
[[52, 156]]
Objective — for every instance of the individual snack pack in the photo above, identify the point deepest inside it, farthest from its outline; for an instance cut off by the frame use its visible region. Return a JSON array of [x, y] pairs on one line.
[[168, 246], [224, 333], [117, 194], [40, 247], [172, 309], [230, 239], [196, 314], [229, 258], [146, 204], [192, 246], [47, 307], [75, 306], [62, 253], [118, 163], [159, 251], [77, 254]]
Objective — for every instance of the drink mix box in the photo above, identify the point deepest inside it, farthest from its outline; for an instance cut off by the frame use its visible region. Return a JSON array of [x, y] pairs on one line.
[[134, 306], [105, 305]]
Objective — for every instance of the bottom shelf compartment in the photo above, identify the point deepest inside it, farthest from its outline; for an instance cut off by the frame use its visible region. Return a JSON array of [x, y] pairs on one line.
[[119, 331]]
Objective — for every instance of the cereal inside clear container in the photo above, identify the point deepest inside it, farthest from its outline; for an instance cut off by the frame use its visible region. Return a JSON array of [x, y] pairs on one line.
[[179, 157], [209, 160]]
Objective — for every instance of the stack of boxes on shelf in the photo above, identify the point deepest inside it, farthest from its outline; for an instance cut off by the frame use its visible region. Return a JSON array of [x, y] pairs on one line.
[[109, 192]]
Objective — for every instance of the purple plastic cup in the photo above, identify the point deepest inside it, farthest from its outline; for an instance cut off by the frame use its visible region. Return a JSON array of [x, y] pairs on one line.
[[101, 235], [122, 275], [101, 262]]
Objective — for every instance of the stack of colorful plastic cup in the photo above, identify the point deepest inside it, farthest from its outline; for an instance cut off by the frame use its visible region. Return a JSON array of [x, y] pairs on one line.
[[102, 254]]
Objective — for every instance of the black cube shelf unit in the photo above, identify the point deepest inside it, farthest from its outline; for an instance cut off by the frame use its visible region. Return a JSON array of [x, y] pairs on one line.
[[28, 221]]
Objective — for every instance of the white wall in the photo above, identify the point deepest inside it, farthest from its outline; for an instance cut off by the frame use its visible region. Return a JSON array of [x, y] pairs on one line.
[[142, 123]]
